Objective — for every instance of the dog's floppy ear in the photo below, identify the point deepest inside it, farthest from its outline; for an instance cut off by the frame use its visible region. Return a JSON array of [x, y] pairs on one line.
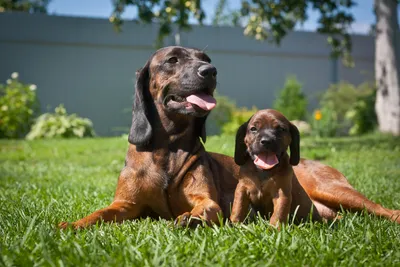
[[240, 147], [141, 130], [294, 145]]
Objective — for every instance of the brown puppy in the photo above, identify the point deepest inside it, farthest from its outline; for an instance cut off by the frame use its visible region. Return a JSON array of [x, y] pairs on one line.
[[268, 181], [167, 172], [266, 172]]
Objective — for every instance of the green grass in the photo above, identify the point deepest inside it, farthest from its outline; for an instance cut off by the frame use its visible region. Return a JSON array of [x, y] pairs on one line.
[[45, 182]]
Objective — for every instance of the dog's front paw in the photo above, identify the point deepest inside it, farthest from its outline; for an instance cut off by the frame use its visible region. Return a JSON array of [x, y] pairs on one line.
[[187, 220], [183, 220]]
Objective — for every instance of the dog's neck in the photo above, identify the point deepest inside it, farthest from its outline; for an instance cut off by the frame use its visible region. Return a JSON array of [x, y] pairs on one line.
[[173, 131], [173, 144]]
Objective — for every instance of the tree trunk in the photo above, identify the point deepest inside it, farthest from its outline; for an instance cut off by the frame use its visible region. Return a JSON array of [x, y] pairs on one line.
[[387, 52]]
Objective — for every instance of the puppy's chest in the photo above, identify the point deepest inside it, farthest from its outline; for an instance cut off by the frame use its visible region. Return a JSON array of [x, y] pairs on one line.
[[262, 191], [268, 185]]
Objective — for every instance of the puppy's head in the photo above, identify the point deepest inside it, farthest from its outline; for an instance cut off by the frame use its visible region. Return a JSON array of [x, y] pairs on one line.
[[175, 81], [265, 138]]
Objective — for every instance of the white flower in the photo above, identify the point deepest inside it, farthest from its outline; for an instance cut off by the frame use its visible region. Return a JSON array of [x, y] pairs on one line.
[[9, 81], [4, 108], [247, 31], [14, 75], [33, 87]]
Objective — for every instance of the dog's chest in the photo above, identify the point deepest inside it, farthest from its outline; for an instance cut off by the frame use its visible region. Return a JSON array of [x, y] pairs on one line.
[[167, 166]]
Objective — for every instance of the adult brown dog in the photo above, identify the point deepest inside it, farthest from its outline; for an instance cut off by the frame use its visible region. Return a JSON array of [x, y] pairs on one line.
[[270, 184], [167, 171]]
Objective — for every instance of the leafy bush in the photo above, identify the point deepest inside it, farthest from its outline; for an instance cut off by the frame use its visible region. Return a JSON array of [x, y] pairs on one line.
[[303, 127], [324, 122], [226, 117], [353, 106], [291, 101], [18, 105], [221, 114], [239, 117], [362, 115], [60, 125]]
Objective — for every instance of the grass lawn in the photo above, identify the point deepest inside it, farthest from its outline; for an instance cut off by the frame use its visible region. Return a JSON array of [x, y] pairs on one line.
[[45, 182]]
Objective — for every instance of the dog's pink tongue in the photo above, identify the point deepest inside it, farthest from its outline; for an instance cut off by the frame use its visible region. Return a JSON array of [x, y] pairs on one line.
[[266, 161], [204, 101]]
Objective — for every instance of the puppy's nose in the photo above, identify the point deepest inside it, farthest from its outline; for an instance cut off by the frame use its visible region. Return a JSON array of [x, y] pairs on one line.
[[207, 71], [265, 141]]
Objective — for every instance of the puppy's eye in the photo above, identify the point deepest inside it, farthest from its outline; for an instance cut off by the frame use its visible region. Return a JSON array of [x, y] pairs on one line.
[[253, 129], [281, 129], [172, 60]]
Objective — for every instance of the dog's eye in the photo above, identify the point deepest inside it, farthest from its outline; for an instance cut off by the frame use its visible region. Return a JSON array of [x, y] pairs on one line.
[[172, 60], [281, 129], [253, 129]]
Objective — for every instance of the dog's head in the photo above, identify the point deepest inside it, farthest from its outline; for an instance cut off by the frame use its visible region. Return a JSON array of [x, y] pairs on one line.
[[177, 81], [264, 138]]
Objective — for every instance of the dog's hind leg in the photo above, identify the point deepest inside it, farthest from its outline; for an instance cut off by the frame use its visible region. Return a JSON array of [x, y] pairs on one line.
[[330, 191], [336, 197]]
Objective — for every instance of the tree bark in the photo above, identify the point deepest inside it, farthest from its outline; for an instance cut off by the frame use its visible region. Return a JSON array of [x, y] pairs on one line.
[[387, 52]]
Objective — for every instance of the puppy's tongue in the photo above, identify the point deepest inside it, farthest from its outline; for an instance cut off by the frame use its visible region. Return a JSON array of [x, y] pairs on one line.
[[266, 161], [203, 101]]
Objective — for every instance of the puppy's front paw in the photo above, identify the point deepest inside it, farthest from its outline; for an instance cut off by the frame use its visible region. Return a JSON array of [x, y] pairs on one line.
[[275, 223], [234, 220]]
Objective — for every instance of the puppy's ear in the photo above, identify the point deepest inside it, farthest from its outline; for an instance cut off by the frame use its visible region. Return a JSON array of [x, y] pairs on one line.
[[294, 145], [141, 130], [240, 147]]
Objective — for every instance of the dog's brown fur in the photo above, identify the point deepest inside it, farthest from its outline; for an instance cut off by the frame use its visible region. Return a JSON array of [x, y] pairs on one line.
[[308, 187], [167, 171], [271, 133]]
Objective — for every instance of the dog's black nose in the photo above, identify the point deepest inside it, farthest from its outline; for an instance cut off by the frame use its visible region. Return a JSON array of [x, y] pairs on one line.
[[207, 71]]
